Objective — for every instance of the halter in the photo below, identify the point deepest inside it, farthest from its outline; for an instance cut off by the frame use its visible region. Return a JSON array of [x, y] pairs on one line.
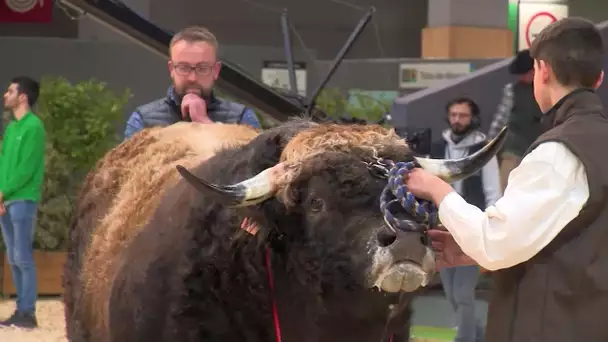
[[396, 192]]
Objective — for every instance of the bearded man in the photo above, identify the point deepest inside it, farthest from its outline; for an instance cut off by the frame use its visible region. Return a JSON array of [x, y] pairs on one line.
[[194, 67], [462, 139]]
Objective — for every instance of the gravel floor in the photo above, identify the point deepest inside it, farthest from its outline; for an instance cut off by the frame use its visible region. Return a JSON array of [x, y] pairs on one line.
[[50, 321]]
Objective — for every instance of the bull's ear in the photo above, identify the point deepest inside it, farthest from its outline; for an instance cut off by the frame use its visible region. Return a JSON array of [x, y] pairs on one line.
[[269, 145], [265, 152]]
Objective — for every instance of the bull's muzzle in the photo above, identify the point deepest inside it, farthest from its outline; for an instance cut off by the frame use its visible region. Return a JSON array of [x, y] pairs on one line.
[[407, 275], [263, 185]]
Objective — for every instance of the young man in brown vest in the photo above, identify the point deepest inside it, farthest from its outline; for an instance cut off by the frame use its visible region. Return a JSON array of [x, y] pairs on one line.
[[547, 237]]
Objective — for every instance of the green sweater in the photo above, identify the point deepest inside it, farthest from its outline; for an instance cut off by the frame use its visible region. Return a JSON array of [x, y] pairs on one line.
[[22, 159]]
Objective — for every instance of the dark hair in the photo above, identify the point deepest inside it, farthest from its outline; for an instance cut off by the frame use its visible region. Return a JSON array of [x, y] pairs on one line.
[[573, 48], [522, 63], [29, 87], [474, 107]]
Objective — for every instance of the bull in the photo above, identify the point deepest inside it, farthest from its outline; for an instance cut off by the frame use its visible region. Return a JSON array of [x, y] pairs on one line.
[[171, 264]]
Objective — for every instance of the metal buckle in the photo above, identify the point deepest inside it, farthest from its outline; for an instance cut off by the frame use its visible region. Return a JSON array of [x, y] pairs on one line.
[[377, 167], [377, 170]]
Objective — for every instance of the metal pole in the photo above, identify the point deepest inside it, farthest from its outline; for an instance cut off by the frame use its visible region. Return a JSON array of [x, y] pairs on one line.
[[349, 43], [288, 52]]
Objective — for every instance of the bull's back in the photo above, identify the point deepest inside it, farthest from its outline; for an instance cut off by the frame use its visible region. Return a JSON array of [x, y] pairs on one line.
[[207, 139]]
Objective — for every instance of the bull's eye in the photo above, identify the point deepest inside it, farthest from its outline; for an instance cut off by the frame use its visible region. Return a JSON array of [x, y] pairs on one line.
[[316, 204]]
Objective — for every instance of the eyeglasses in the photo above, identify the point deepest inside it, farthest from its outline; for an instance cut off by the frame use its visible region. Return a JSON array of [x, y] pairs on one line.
[[185, 70]]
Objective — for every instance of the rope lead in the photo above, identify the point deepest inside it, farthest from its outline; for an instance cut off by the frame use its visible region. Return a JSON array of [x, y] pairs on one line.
[[396, 191]]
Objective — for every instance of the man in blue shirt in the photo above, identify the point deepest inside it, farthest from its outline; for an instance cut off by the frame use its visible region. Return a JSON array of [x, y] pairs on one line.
[[194, 67]]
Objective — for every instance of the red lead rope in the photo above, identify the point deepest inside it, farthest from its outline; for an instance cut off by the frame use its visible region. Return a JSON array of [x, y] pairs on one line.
[[275, 312]]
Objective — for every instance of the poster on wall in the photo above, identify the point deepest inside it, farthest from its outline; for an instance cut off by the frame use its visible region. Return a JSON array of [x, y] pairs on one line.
[[423, 75], [534, 17], [276, 75]]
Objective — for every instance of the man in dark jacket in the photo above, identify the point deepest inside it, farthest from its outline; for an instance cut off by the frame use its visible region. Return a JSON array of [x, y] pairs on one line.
[[194, 67], [519, 111], [546, 237]]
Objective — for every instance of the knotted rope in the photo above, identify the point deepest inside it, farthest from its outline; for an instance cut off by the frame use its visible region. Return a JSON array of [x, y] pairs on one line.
[[396, 192]]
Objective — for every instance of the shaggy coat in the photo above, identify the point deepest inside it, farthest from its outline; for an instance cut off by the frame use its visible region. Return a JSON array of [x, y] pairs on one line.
[[136, 171], [192, 275]]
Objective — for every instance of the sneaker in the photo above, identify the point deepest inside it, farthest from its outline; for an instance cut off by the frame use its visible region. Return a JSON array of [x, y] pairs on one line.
[[21, 320], [10, 319]]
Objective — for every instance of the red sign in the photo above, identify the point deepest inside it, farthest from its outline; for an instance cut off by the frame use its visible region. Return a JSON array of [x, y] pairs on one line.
[[536, 23], [26, 11]]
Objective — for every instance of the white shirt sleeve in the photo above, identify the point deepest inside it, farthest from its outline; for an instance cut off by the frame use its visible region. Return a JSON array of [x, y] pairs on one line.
[[490, 181], [544, 193]]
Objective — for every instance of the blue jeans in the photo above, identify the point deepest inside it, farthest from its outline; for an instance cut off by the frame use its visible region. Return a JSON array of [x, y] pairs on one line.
[[18, 223], [459, 285]]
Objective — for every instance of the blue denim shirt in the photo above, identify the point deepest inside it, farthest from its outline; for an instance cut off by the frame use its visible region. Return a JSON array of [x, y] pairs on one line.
[[135, 122]]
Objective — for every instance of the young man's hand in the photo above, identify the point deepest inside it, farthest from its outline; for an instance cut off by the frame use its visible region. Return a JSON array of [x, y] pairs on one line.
[[426, 185], [447, 251]]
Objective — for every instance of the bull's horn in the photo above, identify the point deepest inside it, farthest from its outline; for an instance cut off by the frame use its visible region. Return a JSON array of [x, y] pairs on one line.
[[452, 170], [248, 192]]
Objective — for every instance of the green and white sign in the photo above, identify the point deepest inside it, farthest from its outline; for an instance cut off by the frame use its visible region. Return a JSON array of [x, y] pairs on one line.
[[528, 18], [428, 74]]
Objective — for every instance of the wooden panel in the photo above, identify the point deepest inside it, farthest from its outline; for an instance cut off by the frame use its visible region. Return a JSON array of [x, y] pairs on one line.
[[49, 266], [466, 42]]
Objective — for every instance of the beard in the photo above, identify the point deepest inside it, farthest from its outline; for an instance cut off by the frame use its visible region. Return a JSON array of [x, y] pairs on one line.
[[459, 132], [9, 105], [460, 129], [194, 88]]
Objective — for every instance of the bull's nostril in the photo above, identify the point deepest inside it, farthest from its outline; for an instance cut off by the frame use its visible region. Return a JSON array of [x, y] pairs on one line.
[[386, 238]]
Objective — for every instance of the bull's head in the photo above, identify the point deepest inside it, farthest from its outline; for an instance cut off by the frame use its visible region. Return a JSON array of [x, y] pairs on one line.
[[326, 189]]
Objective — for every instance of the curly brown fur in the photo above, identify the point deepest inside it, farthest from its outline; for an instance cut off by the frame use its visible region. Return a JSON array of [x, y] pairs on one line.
[[363, 141], [129, 195], [190, 276], [97, 193], [344, 138]]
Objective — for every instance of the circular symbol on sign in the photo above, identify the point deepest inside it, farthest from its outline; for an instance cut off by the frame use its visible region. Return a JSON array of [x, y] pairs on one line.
[[20, 6], [536, 24]]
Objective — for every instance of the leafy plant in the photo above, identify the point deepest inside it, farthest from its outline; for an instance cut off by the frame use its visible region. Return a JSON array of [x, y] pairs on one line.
[[337, 103], [81, 122], [357, 104]]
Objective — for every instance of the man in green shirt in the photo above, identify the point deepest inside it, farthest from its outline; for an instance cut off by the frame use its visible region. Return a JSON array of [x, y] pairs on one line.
[[21, 176]]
